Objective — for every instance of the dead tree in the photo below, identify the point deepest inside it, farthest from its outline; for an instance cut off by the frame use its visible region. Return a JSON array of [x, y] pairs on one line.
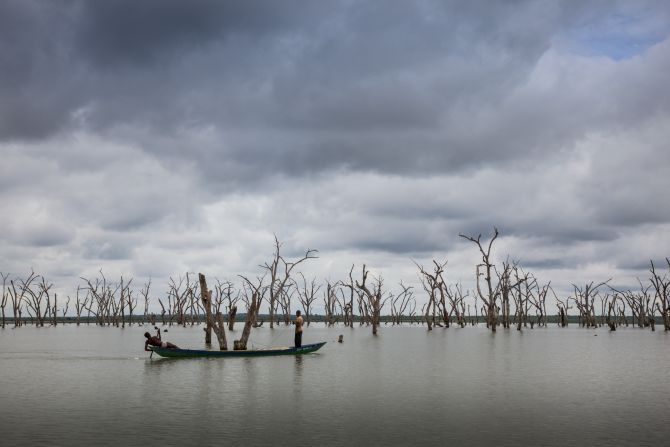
[[5, 296], [131, 301], [401, 303], [364, 315], [457, 301], [232, 314], [433, 284], [307, 294], [116, 306], [215, 324], [641, 306], [284, 300], [248, 289], [65, 309], [145, 295], [53, 310], [163, 311], [206, 297], [491, 295], [349, 305], [329, 303], [280, 273], [194, 306], [219, 292], [521, 295], [621, 312], [563, 308], [102, 297], [231, 305], [537, 298], [241, 344], [253, 296], [374, 299], [36, 294], [80, 305], [126, 299], [225, 291], [18, 296], [411, 312], [661, 294], [584, 300], [180, 298], [506, 289], [445, 312], [609, 303]]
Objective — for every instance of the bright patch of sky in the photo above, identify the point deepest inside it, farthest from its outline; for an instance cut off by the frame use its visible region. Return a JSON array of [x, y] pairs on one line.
[[618, 36]]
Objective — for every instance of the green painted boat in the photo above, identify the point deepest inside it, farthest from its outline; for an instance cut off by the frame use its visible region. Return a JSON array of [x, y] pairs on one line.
[[193, 353]]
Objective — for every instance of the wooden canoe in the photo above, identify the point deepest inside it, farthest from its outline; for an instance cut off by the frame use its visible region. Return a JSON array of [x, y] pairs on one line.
[[191, 353]]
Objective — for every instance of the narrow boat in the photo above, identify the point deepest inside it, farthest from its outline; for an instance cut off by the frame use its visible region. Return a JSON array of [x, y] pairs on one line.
[[190, 353]]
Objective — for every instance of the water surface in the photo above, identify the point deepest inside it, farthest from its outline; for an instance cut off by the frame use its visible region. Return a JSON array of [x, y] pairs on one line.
[[90, 385]]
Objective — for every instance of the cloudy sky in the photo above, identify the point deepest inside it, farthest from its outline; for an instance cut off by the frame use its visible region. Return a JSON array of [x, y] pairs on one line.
[[157, 137]]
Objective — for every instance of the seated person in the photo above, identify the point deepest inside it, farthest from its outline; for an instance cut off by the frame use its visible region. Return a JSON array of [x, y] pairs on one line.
[[156, 341]]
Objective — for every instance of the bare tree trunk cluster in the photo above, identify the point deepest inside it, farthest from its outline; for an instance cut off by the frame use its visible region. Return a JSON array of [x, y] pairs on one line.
[[485, 269], [373, 299]]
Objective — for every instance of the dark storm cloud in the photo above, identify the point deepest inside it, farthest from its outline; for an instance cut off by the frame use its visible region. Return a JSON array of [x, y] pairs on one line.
[[642, 265], [36, 78], [545, 264], [44, 236], [125, 33], [60, 57], [400, 246], [341, 75], [297, 87], [108, 248], [561, 230]]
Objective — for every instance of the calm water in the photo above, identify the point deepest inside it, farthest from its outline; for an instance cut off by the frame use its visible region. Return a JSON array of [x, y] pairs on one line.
[[96, 386]]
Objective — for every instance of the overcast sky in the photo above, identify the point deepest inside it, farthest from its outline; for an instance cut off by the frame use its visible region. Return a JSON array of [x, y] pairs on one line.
[[151, 138]]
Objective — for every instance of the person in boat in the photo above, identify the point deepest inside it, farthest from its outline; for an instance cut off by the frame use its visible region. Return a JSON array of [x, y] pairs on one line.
[[298, 329], [156, 341]]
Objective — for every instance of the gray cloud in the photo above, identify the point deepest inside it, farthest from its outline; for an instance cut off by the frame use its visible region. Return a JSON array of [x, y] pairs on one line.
[[163, 135]]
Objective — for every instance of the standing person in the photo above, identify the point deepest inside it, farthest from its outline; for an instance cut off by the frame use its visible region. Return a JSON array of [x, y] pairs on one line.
[[298, 329], [156, 341]]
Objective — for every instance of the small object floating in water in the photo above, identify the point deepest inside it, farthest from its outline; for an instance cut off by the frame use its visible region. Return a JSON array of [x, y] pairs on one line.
[[191, 353], [340, 338]]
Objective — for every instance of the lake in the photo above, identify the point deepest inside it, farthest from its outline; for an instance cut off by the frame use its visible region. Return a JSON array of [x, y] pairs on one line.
[[90, 385]]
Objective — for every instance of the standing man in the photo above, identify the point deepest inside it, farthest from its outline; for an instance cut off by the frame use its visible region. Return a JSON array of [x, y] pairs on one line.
[[298, 329]]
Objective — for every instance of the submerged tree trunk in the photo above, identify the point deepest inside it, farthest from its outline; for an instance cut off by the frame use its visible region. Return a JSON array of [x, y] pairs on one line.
[[220, 330], [241, 344], [232, 313], [206, 297], [563, 320]]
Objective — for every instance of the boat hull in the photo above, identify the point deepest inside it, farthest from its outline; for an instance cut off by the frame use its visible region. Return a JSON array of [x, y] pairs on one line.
[[194, 353]]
